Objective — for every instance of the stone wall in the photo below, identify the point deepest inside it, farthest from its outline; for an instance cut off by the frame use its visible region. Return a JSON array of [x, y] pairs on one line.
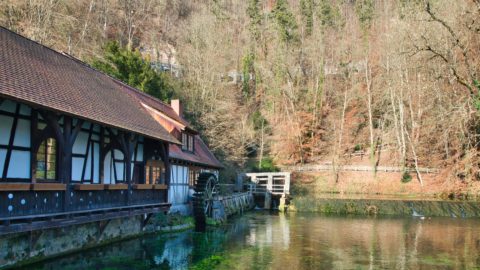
[[420, 208], [27, 247], [232, 204]]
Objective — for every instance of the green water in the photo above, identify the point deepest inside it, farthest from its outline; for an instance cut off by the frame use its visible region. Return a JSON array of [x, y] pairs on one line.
[[262, 240]]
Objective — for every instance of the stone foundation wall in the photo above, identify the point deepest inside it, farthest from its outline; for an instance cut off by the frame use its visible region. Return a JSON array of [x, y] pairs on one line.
[[455, 209], [232, 204], [37, 245]]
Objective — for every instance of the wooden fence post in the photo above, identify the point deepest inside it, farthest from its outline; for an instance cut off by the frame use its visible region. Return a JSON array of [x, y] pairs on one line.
[[270, 183], [287, 184]]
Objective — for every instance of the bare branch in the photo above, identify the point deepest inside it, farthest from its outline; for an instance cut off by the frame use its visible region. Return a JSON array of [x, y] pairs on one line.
[[457, 43]]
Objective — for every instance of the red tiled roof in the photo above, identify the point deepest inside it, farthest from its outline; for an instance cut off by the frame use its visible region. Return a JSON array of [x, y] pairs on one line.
[[201, 155], [37, 75], [158, 105]]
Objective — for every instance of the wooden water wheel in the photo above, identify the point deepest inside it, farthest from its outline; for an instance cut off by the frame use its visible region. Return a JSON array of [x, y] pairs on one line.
[[206, 190]]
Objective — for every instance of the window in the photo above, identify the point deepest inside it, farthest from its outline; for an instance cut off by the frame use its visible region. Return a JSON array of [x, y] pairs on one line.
[[47, 160], [187, 142], [193, 175], [190, 143], [155, 172], [184, 141]]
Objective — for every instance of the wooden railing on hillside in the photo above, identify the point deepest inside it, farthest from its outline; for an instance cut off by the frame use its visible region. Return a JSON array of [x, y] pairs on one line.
[[355, 168]]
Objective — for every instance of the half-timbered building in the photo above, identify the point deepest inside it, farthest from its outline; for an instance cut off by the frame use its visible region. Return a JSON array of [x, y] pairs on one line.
[[188, 159], [74, 141]]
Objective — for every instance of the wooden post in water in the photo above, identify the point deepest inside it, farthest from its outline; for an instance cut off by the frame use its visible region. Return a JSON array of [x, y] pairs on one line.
[[268, 192], [270, 183], [268, 200], [282, 205]]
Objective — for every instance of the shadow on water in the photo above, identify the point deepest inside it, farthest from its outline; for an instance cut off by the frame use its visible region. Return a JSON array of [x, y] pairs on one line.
[[263, 240], [200, 225]]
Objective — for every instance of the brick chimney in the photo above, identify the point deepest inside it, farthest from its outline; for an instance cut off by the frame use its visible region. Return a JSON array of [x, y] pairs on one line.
[[177, 107]]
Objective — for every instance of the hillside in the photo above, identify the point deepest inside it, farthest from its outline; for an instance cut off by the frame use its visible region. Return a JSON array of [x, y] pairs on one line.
[[308, 81]]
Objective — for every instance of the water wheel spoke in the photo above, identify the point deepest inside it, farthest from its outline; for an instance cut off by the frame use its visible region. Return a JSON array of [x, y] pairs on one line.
[[205, 192]]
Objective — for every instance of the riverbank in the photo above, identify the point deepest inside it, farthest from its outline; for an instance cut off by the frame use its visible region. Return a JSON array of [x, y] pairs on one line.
[[395, 184], [390, 207], [362, 193]]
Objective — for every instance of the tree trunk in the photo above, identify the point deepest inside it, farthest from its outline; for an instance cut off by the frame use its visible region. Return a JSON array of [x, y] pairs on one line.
[[368, 74], [338, 149]]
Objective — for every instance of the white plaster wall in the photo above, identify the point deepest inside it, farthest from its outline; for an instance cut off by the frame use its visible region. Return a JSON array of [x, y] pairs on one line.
[[140, 152], [88, 166], [107, 168], [25, 110], [96, 165], [178, 194], [3, 154], [19, 166], [77, 166], [119, 169], [5, 128], [8, 106], [80, 145], [22, 134]]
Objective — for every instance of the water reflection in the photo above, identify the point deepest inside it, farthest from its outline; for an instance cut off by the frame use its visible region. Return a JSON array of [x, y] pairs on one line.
[[270, 241]]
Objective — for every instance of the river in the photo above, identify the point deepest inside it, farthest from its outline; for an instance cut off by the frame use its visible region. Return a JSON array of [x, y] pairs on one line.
[[262, 240]]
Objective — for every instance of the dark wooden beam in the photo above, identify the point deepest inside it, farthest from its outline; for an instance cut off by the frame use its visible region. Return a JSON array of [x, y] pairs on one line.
[[33, 138], [164, 155], [85, 160], [76, 130], [10, 143], [127, 142], [1, 101], [65, 139], [52, 121]]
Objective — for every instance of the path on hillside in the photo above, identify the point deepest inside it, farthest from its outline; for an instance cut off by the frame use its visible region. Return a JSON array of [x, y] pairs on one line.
[[353, 168]]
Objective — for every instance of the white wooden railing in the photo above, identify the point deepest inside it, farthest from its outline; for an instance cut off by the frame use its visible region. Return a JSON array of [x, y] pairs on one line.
[[277, 183]]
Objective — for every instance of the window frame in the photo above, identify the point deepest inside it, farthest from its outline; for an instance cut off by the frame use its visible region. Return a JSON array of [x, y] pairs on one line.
[[152, 168], [193, 173], [188, 142], [46, 154]]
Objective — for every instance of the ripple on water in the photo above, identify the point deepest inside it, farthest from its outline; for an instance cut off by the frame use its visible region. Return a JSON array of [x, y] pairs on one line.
[[270, 241]]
